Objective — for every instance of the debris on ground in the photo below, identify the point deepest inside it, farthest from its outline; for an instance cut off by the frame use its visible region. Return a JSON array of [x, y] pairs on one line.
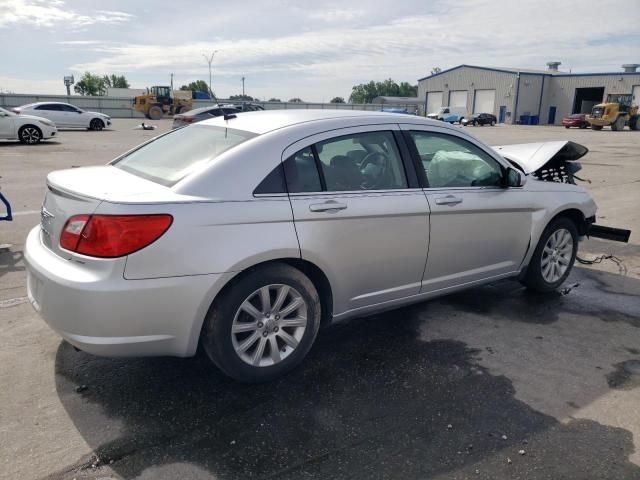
[[144, 126], [521, 452], [504, 437], [567, 290]]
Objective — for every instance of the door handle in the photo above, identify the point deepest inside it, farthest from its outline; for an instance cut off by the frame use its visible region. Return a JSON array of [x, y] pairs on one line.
[[328, 206], [448, 200]]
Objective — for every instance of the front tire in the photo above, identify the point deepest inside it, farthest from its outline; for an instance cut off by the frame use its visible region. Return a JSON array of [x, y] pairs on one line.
[[263, 325], [155, 113], [618, 125], [96, 124], [554, 256], [29, 134], [493, 123]]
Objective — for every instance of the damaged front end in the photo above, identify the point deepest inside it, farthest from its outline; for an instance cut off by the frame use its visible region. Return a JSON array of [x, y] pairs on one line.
[[548, 161], [557, 162]]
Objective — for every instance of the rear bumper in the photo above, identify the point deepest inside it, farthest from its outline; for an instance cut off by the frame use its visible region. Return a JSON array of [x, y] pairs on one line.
[[98, 311]]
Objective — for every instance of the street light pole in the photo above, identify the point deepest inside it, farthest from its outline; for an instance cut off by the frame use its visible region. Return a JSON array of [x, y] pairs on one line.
[[243, 86], [209, 60]]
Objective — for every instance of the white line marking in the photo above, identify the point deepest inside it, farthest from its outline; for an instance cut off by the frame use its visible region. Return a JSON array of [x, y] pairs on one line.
[[12, 302], [25, 212]]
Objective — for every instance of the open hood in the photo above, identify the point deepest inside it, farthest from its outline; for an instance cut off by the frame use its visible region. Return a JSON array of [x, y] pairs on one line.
[[532, 157]]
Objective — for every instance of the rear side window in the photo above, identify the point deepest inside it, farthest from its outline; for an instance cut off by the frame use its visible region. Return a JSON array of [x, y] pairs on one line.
[[49, 106], [301, 172], [171, 157]]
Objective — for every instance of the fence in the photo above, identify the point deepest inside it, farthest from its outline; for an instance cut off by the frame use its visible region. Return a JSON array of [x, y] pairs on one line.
[[121, 107]]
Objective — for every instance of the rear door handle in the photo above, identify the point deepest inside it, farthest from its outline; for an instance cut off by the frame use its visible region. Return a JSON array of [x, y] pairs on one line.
[[328, 206], [448, 200]]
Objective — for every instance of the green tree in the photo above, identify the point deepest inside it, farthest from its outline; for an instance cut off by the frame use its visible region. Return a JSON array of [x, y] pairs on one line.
[[242, 98], [275, 100], [115, 81], [366, 92], [197, 86], [337, 100], [435, 70], [295, 100], [408, 90], [90, 84]]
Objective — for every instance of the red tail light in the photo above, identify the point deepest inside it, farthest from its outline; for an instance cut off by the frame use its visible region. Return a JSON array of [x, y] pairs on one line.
[[110, 236]]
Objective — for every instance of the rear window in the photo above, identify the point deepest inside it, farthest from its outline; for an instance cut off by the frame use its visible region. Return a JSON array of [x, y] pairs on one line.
[[171, 157]]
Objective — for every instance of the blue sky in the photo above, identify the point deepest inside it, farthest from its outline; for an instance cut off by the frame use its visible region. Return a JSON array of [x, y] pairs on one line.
[[313, 50]]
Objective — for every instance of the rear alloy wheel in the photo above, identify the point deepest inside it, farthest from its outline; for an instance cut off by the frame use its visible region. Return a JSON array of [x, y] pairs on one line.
[[263, 325], [554, 256], [96, 124], [618, 125], [29, 134]]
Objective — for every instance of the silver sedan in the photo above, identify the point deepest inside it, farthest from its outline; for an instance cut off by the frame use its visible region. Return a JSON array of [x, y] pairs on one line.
[[246, 234]]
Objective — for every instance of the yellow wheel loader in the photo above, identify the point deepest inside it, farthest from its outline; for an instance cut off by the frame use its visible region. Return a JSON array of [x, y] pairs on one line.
[[616, 112], [160, 100]]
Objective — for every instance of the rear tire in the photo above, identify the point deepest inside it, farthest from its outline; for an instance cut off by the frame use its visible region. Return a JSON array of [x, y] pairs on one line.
[[241, 340], [493, 123], [634, 122], [29, 134], [96, 124], [155, 113], [618, 125], [553, 257]]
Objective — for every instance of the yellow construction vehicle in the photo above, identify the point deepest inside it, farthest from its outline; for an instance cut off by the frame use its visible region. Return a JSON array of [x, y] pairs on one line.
[[616, 112], [160, 100]]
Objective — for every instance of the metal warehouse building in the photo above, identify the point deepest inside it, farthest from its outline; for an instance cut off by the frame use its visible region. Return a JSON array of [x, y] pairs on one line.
[[517, 95]]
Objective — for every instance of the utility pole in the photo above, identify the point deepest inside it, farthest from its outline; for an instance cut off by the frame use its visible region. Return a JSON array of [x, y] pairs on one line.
[[172, 84], [243, 86], [209, 60]]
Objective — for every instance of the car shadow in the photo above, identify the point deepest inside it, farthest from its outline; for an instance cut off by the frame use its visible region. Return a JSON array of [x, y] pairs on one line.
[[17, 143], [11, 261], [372, 400]]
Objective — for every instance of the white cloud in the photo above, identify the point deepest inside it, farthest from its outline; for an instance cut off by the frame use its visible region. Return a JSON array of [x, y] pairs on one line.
[[48, 13]]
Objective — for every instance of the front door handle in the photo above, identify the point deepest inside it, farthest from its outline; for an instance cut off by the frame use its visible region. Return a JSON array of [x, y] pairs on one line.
[[328, 206], [448, 200]]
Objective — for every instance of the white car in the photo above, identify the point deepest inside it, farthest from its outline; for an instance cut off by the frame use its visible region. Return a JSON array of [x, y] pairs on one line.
[[244, 233], [26, 128], [65, 115]]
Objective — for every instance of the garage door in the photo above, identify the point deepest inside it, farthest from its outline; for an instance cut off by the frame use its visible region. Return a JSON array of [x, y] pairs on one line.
[[636, 95], [458, 98], [434, 101], [485, 101]]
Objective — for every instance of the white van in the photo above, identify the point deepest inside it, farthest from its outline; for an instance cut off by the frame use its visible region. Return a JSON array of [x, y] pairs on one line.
[[449, 114]]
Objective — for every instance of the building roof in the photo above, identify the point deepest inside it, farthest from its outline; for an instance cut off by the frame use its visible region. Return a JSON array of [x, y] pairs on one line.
[[554, 73]]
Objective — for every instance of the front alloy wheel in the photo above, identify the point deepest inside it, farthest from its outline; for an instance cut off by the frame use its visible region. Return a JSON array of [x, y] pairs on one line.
[[557, 255], [30, 135], [554, 256]]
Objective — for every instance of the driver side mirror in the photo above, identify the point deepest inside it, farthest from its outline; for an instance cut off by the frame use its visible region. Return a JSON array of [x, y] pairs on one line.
[[513, 178]]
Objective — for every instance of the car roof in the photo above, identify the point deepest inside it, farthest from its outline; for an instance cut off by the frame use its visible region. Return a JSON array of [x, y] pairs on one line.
[[265, 121]]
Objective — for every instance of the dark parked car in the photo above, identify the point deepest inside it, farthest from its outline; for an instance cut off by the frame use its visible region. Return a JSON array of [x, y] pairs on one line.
[[199, 114], [480, 119], [576, 120]]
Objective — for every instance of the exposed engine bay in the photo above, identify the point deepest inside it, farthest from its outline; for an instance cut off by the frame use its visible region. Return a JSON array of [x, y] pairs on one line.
[[548, 161]]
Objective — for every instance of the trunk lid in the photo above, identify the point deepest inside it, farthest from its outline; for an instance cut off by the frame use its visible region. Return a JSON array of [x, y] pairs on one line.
[[81, 190]]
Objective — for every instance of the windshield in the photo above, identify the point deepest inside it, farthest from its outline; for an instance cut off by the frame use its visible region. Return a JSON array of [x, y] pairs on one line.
[[171, 157], [2, 110]]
